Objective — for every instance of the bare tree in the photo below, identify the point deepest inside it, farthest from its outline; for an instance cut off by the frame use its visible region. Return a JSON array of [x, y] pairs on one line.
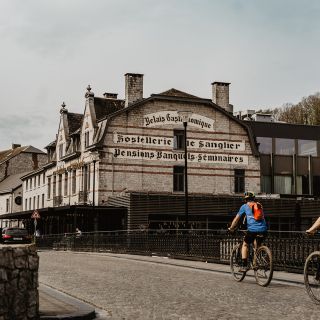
[[307, 111]]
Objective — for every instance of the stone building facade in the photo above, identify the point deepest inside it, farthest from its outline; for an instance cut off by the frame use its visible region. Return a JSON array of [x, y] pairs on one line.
[[14, 164], [120, 163], [20, 159], [140, 150], [117, 146]]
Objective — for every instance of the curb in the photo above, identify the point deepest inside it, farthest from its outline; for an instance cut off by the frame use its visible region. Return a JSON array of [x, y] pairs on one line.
[[83, 311]]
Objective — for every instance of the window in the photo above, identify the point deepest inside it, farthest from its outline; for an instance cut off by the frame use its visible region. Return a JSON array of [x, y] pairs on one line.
[[88, 178], [44, 178], [66, 184], [265, 145], [74, 176], [34, 202], [239, 180], [35, 182], [42, 202], [60, 185], [60, 151], [316, 185], [39, 180], [49, 188], [7, 205], [38, 201], [54, 186], [25, 204], [86, 139], [284, 146], [29, 203], [303, 184], [27, 184], [178, 178], [283, 184], [178, 139], [266, 184], [30, 183], [307, 147]]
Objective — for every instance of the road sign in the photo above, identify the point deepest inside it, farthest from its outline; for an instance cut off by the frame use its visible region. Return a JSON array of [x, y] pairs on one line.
[[35, 215]]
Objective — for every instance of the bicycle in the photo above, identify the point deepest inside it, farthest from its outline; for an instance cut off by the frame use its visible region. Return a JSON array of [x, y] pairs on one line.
[[259, 260], [311, 273]]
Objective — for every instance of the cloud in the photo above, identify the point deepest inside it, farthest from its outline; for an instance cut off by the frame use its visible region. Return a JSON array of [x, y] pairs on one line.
[[59, 27], [25, 130]]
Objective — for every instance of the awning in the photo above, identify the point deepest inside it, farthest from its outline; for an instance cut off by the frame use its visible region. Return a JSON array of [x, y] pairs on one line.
[[63, 210]]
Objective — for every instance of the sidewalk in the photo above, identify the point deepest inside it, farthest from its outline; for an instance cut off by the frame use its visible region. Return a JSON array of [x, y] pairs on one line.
[[293, 278], [54, 304]]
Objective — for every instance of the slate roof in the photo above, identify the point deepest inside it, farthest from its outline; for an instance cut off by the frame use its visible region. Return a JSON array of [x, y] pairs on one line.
[[177, 93], [8, 154], [51, 145], [12, 182], [104, 107], [74, 121]]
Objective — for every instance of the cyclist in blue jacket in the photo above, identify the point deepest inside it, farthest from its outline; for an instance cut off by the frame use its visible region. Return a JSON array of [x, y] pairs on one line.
[[252, 211]]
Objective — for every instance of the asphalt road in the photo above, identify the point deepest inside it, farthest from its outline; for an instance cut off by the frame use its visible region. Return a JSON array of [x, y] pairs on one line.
[[133, 287]]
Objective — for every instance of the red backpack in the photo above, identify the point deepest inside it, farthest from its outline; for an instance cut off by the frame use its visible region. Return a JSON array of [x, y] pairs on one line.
[[257, 210]]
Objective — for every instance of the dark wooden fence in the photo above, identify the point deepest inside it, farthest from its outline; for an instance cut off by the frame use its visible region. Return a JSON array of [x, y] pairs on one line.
[[289, 249]]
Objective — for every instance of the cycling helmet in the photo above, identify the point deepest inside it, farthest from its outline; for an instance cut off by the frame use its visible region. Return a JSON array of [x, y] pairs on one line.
[[249, 195]]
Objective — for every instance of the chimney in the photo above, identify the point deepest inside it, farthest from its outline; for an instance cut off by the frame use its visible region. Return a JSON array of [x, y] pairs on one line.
[[134, 88], [220, 95], [109, 95], [15, 145]]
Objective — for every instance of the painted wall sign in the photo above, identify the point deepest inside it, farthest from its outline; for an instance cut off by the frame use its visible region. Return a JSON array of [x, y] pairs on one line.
[[141, 140], [171, 117], [195, 157]]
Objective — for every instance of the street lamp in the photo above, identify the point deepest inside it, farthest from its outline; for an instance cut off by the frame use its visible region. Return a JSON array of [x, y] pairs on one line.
[[185, 115]]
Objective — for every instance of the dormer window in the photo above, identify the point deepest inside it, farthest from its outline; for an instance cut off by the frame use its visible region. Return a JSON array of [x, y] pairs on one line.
[[60, 151], [86, 139], [75, 144]]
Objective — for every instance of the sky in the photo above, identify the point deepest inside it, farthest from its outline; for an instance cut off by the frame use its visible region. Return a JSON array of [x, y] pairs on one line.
[[52, 49]]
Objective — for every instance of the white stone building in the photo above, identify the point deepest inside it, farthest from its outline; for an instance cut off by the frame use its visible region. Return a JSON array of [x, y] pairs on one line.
[[120, 164]]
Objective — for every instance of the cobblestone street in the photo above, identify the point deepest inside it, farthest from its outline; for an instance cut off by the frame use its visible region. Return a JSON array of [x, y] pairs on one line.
[[134, 287]]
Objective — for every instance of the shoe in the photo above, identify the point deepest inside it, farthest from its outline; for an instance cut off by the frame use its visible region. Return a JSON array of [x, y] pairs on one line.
[[244, 269]]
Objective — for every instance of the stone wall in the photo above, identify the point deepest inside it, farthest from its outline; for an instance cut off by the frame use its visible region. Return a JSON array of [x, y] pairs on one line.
[[19, 298]]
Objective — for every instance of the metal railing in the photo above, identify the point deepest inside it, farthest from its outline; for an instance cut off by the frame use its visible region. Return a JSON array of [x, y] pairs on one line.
[[289, 249]]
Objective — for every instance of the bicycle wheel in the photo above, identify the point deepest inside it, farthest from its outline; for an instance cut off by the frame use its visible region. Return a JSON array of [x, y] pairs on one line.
[[263, 266], [235, 263], [312, 276]]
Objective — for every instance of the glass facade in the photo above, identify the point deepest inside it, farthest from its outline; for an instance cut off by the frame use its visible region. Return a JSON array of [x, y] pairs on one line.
[[307, 147], [284, 146], [302, 184], [266, 184], [283, 184], [316, 185], [265, 145]]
